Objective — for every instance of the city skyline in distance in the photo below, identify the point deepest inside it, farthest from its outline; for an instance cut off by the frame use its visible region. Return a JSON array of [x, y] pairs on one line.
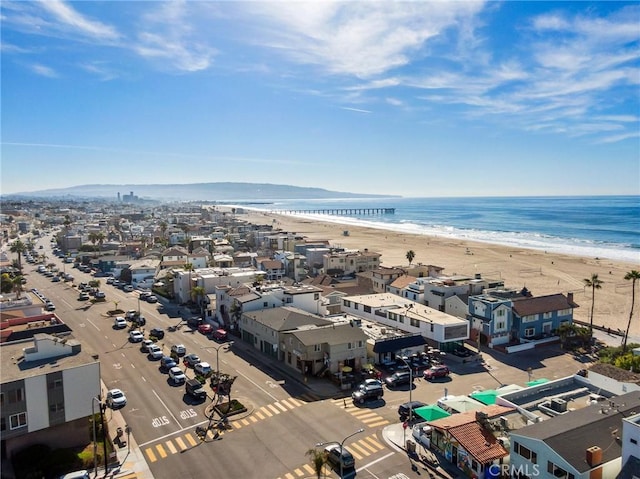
[[408, 98]]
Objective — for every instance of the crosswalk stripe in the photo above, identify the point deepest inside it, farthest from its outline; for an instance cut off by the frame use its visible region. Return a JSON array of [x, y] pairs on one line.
[[190, 439], [361, 414], [309, 469], [171, 447], [288, 475], [161, 451], [237, 425], [132, 475], [259, 414], [367, 420], [284, 409], [354, 453], [152, 457], [181, 443], [253, 419], [265, 410], [379, 423], [358, 448], [245, 422], [292, 402], [299, 472], [374, 441], [273, 408], [367, 446]]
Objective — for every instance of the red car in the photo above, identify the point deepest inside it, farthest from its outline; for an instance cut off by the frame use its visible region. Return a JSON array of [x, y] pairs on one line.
[[436, 372], [220, 335], [205, 328]]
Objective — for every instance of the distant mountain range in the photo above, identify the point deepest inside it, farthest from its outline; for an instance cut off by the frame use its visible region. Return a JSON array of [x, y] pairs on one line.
[[214, 192]]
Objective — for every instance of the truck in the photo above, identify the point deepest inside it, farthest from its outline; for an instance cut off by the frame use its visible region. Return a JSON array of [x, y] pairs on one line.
[[195, 389]]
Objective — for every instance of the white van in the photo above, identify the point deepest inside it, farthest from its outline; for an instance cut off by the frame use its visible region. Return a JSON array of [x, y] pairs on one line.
[[76, 475]]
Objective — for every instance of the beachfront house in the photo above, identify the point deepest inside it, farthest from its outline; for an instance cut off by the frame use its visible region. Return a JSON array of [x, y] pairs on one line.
[[346, 263], [503, 317], [441, 330], [383, 277]]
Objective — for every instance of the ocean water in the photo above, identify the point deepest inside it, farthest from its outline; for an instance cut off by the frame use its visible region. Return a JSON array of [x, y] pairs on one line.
[[589, 226]]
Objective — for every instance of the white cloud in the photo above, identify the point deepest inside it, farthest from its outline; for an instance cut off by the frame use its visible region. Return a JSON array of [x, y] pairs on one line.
[[168, 35], [44, 71], [71, 18]]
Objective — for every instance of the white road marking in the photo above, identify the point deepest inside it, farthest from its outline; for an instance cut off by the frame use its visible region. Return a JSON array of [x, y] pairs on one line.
[[374, 462], [165, 406]]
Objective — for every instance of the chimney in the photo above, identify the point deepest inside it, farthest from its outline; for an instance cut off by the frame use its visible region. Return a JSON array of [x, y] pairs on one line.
[[594, 460], [594, 456], [570, 297]]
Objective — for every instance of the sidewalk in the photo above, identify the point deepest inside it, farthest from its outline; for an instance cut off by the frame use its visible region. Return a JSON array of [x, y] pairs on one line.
[[132, 462]]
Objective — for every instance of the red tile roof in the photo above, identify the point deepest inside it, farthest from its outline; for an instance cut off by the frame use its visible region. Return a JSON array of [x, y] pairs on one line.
[[478, 442]]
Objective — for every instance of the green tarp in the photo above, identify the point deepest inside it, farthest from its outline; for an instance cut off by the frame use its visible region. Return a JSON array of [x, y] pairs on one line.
[[488, 396], [535, 382], [431, 412]]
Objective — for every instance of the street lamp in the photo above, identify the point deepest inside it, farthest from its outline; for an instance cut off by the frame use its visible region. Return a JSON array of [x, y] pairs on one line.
[[320, 444], [217, 348], [410, 386]]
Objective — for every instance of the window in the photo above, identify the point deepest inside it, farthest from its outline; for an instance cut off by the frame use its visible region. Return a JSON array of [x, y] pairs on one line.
[[633, 441], [3, 424], [18, 420], [500, 313], [59, 407], [547, 315], [500, 325], [557, 471], [530, 318], [367, 309], [414, 322], [265, 304], [55, 384], [349, 345], [526, 453], [529, 332], [1, 399], [431, 325], [16, 395], [565, 312], [316, 348], [360, 344], [316, 296]]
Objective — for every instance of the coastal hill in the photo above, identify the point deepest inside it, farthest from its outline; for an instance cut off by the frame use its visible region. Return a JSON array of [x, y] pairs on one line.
[[244, 192]]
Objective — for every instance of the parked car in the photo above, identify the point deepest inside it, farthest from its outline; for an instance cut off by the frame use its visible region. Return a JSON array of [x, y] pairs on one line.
[[120, 322], [205, 328], [202, 368], [179, 349], [145, 344], [194, 388], [116, 399], [127, 288], [337, 454], [176, 375], [152, 299], [408, 407], [364, 392], [131, 314], [135, 336], [166, 363], [157, 333], [195, 321], [55, 279], [438, 371], [110, 280], [155, 352], [50, 306], [219, 334], [144, 294], [100, 295], [190, 360], [83, 296], [397, 379]]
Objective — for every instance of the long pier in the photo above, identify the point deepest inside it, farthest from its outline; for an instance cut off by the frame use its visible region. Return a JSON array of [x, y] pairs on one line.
[[343, 211]]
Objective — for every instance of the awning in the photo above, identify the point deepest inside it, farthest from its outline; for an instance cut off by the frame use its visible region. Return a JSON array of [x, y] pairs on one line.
[[536, 382], [488, 396], [431, 412], [392, 345]]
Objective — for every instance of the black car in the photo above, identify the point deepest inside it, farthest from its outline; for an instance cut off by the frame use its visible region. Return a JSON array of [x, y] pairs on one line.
[[365, 392], [405, 408], [195, 321], [397, 379], [157, 333]]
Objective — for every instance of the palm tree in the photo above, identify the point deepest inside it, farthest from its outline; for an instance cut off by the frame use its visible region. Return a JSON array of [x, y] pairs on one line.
[[17, 286], [163, 228], [593, 283], [93, 237], [197, 294], [18, 247], [632, 276], [410, 256], [318, 460]]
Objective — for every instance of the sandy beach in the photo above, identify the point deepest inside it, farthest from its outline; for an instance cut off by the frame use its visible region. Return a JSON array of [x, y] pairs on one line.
[[542, 273]]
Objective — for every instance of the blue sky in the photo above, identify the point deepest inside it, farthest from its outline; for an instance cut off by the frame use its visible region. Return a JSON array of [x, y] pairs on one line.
[[448, 98]]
